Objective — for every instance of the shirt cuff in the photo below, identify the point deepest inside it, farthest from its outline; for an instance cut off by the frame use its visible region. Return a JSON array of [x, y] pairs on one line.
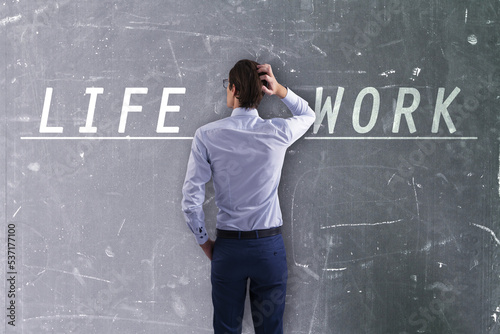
[[291, 100], [201, 236], [290, 96]]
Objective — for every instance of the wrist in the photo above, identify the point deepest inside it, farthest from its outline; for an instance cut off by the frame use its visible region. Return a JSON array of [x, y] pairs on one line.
[[282, 91], [206, 243]]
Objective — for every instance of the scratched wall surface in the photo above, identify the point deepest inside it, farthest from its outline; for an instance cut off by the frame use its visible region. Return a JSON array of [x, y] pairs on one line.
[[390, 201]]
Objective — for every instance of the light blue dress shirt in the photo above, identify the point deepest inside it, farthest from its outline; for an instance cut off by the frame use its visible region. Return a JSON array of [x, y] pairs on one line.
[[244, 155]]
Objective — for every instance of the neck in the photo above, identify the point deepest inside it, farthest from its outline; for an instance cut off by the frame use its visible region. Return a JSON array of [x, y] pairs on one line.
[[236, 103]]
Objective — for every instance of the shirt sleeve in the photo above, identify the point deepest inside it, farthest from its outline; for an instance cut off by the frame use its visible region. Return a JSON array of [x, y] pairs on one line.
[[197, 175], [303, 116]]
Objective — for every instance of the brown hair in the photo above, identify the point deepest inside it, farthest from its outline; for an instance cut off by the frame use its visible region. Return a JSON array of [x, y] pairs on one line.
[[245, 78]]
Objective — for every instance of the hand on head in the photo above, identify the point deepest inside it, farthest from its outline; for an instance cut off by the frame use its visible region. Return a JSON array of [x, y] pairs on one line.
[[273, 87]]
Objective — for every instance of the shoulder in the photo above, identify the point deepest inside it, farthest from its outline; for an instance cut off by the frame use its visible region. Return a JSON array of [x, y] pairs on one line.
[[221, 123]]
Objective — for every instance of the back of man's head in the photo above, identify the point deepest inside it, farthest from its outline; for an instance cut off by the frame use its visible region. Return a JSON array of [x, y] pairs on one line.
[[245, 78]]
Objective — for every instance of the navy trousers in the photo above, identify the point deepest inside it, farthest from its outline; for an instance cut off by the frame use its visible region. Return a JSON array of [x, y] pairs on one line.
[[263, 262]]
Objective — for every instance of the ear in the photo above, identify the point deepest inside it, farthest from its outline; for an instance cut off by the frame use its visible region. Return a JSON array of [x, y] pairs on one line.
[[234, 91]]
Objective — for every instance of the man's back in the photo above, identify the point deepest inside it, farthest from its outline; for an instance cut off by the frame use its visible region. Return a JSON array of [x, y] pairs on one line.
[[246, 155]]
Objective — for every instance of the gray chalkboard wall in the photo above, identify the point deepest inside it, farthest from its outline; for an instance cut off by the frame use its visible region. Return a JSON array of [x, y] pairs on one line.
[[390, 200]]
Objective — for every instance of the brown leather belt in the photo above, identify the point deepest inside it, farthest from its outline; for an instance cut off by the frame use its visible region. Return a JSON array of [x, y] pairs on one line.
[[255, 234]]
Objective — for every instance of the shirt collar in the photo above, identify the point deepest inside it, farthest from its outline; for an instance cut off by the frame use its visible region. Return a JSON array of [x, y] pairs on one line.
[[245, 112]]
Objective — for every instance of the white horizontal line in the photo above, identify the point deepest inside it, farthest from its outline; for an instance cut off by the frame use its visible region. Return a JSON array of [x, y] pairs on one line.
[[189, 138], [392, 138], [106, 138], [334, 269], [362, 224]]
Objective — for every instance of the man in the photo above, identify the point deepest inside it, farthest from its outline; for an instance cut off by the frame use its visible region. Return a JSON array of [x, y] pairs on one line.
[[244, 154]]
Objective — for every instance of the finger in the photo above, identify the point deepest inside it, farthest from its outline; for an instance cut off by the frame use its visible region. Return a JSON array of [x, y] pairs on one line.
[[265, 77], [264, 68], [261, 67], [267, 90]]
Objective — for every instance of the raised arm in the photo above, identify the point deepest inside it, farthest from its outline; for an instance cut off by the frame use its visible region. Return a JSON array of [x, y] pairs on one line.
[[303, 115]]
